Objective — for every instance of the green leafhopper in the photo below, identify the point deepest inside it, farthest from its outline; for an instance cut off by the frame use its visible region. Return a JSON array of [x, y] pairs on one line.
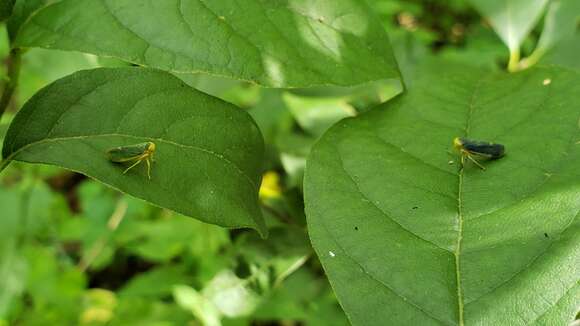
[[469, 148], [133, 154]]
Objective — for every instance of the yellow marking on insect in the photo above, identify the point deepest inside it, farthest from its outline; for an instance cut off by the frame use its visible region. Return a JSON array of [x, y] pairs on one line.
[[133, 154], [547, 82], [457, 143]]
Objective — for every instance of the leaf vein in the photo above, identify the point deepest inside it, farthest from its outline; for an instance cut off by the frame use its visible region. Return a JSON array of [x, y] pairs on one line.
[[372, 277], [413, 156], [532, 261], [381, 210], [81, 137]]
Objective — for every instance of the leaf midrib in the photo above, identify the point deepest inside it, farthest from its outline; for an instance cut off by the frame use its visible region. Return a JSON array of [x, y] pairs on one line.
[[363, 268], [457, 254], [160, 140], [263, 80]]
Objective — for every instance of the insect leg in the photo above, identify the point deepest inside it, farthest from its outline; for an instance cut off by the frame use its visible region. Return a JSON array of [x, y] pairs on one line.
[[462, 161], [474, 161], [148, 167], [134, 164]]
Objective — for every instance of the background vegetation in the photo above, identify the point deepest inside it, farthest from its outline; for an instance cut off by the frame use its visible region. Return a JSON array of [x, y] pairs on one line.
[[73, 251]]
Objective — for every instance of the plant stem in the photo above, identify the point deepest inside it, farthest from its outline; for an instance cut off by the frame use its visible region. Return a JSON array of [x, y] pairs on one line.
[[280, 216], [514, 60], [13, 71], [3, 164], [100, 244], [532, 59]]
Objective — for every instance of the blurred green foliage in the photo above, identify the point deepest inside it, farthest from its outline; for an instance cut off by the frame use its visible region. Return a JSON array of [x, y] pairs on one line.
[[75, 252]]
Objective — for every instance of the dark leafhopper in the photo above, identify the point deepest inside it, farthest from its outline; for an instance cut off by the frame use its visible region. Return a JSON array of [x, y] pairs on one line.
[[482, 149], [133, 154]]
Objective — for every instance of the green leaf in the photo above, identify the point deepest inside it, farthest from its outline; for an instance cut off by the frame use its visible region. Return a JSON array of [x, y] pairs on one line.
[[55, 287], [231, 295], [276, 258], [20, 13], [200, 171], [560, 23], [565, 53], [416, 240], [305, 297], [512, 20], [158, 282], [200, 306], [272, 43], [144, 311], [6, 7], [12, 266], [237, 92], [164, 239], [315, 114]]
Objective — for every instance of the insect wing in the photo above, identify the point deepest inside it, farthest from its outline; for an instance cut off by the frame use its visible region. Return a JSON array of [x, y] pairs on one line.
[[489, 150], [127, 153]]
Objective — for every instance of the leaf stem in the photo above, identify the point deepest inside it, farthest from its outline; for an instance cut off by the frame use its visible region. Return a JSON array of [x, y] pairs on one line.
[[532, 59], [3, 164], [112, 225], [13, 71], [513, 64]]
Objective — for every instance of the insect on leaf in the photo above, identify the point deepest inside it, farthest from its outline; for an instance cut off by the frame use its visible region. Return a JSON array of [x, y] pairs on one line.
[[209, 173], [417, 241]]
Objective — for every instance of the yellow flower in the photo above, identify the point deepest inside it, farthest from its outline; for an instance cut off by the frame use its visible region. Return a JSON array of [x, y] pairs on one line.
[[270, 187]]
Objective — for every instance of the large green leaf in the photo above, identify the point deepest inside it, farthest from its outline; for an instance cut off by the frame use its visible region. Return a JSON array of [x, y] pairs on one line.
[[560, 25], [207, 163], [22, 10], [565, 53], [6, 7], [273, 43], [407, 236], [511, 19]]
